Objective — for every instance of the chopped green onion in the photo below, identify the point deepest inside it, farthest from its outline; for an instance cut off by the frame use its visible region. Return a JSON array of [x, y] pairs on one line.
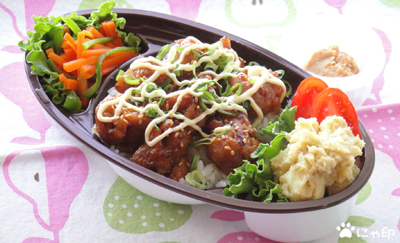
[[202, 105], [280, 73], [209, 52], [194, 70], [246, 104], [252, 81], [208, 95], [288, 93], [229, 69], [177, 72], [161, 102], [183, 86], [180, 48], [254, 64], [203, 141], [152, 113], [210, 65], [226, 131], [220, 60], [239, 91], [132, 81], [195, 161], [169, 88], [229, 89], [196, 54], [90, 43], [196, 179], [165, 83], [163, 51], [227, 112], [120, 73], [150, 87]]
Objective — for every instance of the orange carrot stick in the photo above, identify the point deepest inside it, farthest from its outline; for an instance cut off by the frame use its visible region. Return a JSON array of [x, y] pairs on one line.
[[77, 63], [56, 58], [79, 47], [48, 51], [70, 84], [95, 32], [69, 38], [70, 53], [94, 52], [110, 30], [88, 34]]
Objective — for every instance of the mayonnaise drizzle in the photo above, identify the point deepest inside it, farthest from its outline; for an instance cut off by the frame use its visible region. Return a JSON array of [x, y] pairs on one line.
[[257, 73]]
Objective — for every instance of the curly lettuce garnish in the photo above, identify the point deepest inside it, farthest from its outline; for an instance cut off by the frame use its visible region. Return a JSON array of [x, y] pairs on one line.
[[254, 182]]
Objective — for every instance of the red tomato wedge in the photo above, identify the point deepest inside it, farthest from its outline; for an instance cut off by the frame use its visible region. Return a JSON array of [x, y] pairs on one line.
[[333, 101], [305, 95]]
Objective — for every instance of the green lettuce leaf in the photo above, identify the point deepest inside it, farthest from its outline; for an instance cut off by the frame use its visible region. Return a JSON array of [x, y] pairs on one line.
[[105, 13], [55, 92], [42, 27], [40, 66], [255, 181], [284, 122]]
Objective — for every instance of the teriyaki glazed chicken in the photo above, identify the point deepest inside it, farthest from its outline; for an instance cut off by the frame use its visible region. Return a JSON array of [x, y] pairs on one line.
[[193, 106]]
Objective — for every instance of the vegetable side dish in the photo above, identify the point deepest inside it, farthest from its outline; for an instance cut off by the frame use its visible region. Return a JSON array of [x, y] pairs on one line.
[[332, 62], [70, 54]]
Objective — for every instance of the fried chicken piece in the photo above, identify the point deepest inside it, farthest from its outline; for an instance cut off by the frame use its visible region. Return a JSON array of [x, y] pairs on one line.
[[125, 132], [188, 106], [229, 150], [267, 97], [141, 72], [167, 157]]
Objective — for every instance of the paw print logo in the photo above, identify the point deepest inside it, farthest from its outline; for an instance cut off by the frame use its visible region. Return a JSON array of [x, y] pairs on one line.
[[345, 230]]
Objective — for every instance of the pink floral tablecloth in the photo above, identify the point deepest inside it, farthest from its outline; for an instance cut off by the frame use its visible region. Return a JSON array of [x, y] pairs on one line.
[[54, 189]]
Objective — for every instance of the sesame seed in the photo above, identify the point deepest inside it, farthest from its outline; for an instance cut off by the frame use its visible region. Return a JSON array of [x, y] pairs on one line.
[[232, 152], [213, 139], [140, 116], [180, 164], [197, 107], [176, 135], [181, 145], [190, 132], [226, 121], [171, 115], [187, 164], [223, 136], [246, 131], [244, 140], [244, 126], [196, 99], [140, 121], [227, 148]]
